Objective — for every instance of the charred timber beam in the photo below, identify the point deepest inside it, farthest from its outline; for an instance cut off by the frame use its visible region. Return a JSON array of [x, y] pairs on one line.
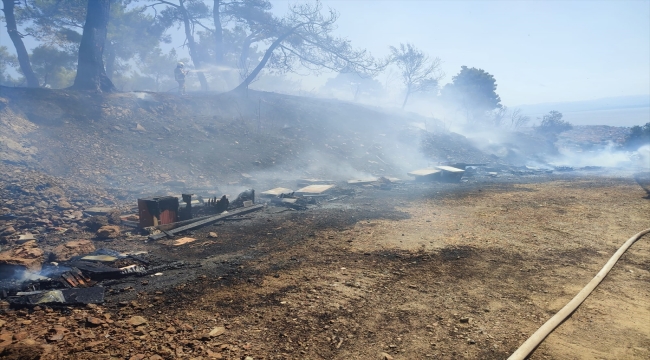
[[207, 221]]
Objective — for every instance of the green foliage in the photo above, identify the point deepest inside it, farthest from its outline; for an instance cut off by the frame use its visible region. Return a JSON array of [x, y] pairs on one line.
[[155, 72], [54, 22], [53, 67], [474, 92], [638, 136], [7, 61], [419, 72], [552, 124], [131, 33]]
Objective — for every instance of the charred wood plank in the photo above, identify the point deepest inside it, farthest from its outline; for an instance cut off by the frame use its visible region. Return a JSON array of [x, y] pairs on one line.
[[207, 221]]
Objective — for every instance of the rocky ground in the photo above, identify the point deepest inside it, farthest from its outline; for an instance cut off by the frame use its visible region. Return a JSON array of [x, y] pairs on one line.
[[409, 271]]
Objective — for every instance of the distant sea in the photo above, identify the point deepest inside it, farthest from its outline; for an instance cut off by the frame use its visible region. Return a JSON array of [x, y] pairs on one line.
[[613, 117]]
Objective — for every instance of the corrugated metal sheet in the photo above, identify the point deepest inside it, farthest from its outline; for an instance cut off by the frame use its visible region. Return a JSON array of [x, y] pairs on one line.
[[146, 219], [167, 217], [157, 211]]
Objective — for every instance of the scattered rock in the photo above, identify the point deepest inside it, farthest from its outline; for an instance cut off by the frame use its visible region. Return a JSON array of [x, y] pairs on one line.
[[28, 350], [94, 223], [137, 320], [219, 330], [212, 235], [93, 321], [214, 355], [71, 249], [64, 205], [6, 339], [108, 232], [465, 320], [9, 230], [114, 217], [58, 333], [27, 255], [385, 356]]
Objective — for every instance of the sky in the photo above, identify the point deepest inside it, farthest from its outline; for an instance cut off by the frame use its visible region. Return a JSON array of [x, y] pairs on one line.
[[538, 51]]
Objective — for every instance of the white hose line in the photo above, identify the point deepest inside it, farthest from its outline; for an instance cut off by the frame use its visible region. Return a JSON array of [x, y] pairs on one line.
[[534, 340]]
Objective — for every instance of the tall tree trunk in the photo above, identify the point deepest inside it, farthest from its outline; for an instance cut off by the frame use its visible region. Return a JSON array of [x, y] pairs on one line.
[[111, 56], [91, 74], [408, 93], [192, 45], [21, 52], [218, 32]]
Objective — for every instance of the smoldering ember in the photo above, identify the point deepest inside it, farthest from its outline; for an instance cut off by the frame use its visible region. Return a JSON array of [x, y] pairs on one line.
[[164, 198]]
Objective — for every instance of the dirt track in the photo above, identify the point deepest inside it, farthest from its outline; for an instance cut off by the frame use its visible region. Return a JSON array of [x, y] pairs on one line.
[[435, 274]]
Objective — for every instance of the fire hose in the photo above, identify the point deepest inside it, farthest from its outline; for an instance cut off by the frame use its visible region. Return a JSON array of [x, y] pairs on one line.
[[534, 340]]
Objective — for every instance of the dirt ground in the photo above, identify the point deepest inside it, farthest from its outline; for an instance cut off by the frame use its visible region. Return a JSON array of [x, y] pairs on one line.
[[443, 271]]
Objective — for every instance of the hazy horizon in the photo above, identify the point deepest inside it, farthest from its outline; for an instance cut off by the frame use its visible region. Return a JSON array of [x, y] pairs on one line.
[[539, 52]]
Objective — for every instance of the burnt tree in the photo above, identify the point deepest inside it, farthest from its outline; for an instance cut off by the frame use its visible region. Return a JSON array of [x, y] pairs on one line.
[[304, 37], [218, 32], [17, 39], [91, 74]]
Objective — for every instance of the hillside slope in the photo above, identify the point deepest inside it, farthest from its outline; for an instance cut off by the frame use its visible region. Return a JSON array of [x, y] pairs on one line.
[[148, 141]]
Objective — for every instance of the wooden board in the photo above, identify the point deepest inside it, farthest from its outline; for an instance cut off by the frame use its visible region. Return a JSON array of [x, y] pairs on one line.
[[314, 189], [362, 181], [450, 169], [206, 221], [276, 192], [183, 241], [306, 182], [423, 172], [105, 258]]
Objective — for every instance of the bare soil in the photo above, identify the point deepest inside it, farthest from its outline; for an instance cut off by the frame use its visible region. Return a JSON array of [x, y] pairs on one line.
[[423, 272]]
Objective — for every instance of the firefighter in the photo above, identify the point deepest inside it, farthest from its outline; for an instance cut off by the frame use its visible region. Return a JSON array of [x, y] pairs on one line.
[[179, 75]]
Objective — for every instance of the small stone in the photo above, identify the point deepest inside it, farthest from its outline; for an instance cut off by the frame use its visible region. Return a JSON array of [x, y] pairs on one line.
[[8, 231], [93, 321], [155, 357], [28, 342], [219, 330], [108, 232], [385, 356], [471, 342], [64, 205], [138, 357], [213, 235], [137, 321], [465, 320], [171, 330], [214, 355], [6, 339], [140, 128], [21, 336], [71, 249], [92, 344], [59, 333]]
